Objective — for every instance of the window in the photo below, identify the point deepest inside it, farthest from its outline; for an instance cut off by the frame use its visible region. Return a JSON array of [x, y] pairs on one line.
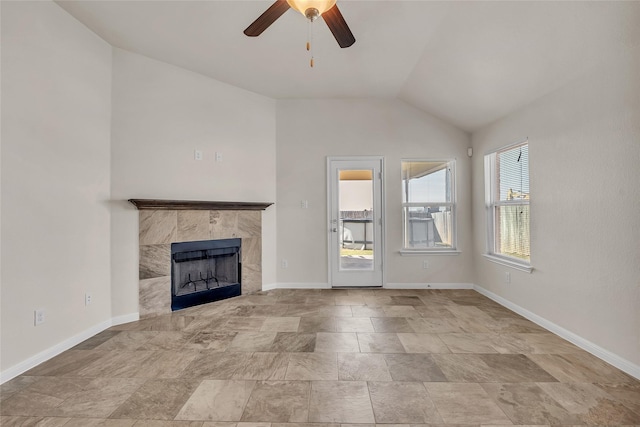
[[507, 201], [428, 205]]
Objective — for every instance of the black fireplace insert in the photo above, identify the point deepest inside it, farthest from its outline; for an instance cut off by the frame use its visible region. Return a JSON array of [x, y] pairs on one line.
[[205, 271]]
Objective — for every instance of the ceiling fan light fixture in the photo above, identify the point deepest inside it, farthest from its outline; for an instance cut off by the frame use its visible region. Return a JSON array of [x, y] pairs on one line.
[[310, 9], [303, 5]]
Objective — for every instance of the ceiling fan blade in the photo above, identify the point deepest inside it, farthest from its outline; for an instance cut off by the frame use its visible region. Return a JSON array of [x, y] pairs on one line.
[[338, 27], [269, 16]]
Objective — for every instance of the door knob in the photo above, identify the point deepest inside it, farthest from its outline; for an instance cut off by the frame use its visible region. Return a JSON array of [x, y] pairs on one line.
[[335, 230]]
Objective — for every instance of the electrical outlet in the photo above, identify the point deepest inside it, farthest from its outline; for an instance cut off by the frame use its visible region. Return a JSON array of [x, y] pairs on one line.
[[87, 298], [304, 204], [197, 155], [218, 156], [507, 277], [425, 264], [284, 263], [38, 317]]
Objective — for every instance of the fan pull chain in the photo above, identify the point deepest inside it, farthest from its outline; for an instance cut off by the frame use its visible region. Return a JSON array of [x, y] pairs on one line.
[[310, 41]]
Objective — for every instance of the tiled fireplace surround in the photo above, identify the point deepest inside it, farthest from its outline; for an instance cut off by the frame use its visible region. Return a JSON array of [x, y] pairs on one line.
[[161, 227]]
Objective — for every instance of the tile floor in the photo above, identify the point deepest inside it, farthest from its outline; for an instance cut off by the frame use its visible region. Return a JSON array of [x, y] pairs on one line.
[[328, 357]]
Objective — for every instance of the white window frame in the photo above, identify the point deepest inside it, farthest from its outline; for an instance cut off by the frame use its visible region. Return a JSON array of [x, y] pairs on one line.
[[453, 250], [492, 201]]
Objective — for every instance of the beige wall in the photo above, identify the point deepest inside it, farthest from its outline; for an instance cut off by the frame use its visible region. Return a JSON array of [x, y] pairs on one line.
[[161, 114], [584, 148], [310, 130], [56, 108]]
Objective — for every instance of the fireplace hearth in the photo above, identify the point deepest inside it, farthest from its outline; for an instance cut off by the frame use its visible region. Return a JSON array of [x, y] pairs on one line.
[[205, 271]]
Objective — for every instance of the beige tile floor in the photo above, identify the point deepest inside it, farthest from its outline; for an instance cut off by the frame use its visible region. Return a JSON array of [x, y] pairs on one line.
[[325, 358]]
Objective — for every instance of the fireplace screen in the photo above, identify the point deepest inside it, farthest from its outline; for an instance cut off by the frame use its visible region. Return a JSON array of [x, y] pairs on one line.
[[204, 271]]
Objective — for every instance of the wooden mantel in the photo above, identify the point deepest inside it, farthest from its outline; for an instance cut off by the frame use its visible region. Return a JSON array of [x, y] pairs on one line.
[[198, 205]]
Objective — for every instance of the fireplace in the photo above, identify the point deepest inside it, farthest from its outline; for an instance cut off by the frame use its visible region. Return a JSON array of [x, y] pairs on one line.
[[164, 222], [205, 271]]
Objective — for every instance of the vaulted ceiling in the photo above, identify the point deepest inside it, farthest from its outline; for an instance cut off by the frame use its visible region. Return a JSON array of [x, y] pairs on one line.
[[468, 63]]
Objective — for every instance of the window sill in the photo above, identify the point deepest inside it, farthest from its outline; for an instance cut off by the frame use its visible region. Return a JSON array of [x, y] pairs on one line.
[[409, 252], [508, 263]]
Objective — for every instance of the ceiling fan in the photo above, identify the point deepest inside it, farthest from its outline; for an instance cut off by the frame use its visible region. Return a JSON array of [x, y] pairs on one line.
[[311, 9]]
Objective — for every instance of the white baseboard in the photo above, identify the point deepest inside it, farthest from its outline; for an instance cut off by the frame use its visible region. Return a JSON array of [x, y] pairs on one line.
[[609, 357], [387, 286], [429, 286], [127, 318], [295, 285], [65, 345]]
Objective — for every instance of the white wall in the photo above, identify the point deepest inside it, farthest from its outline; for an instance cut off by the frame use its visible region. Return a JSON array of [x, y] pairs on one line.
[[161, 114], [310, 130], [56, 90], [585, 200]]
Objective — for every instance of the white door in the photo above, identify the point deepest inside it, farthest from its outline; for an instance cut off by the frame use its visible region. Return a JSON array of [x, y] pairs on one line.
[[355, 221]]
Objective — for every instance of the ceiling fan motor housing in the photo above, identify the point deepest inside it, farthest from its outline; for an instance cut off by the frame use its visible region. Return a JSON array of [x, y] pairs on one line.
[[312, 14]]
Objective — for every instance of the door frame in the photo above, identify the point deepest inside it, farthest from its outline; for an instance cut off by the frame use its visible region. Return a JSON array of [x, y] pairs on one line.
[[382, 225]]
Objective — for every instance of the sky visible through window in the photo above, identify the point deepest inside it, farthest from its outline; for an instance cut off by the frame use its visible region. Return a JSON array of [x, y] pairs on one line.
[[431, 188]]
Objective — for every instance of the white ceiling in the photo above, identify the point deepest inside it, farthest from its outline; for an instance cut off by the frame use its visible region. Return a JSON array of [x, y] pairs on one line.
[[468, 63]]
